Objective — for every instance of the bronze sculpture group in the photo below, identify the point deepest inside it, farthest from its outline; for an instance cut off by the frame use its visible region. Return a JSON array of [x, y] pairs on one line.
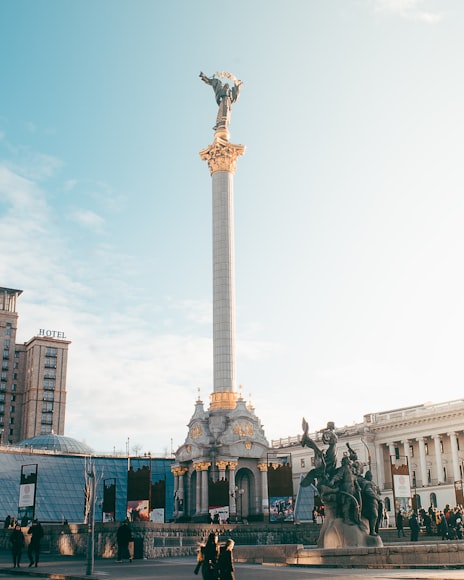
[[352, 503]]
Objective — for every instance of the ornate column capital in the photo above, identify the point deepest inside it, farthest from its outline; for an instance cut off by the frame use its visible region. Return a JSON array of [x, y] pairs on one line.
[[222, 155], [221, 465], [262, 466], [202, 465], [233, 465], [179, 470]]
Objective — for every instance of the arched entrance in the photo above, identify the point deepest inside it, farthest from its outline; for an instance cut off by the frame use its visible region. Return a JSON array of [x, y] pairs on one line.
[[245, 487]]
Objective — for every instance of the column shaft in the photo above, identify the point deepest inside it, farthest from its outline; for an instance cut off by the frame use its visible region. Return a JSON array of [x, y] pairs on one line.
[[223, 282]]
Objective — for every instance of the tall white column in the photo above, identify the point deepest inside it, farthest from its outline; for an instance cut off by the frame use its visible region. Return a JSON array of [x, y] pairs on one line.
[[438, 461], [454, 455], [221, 157], [223, 282], [422, 460]]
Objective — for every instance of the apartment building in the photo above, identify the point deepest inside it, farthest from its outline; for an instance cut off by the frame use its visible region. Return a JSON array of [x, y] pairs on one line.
[[33, 377]]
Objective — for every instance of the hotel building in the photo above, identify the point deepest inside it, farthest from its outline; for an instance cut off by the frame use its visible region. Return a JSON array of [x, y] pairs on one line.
[[33, 378]]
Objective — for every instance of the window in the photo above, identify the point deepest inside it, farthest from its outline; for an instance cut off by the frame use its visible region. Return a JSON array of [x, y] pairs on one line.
[[46, 429], [5, 365], [47, 419], [50, 363], [51, 351], [457, 443], [441, 446], [414, 481], [49, 384], [411, 450], [7, 343], [3, 376], [12, 409], [426, 447], [2, 397], [429, 476], [2, 386], [50, 374], [397, 452], [433, 499], [444, 474], [49, 396], [13, 387], [47, 407], [302, 462], [6, 353]]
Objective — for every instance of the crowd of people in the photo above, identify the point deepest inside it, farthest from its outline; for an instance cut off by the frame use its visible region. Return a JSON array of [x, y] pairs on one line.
[[446, 523]]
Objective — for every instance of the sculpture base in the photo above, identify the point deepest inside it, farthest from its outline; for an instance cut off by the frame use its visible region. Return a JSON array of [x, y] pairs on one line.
[[335, 533]]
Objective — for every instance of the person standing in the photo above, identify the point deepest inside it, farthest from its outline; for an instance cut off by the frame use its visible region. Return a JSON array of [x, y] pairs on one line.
[[123, 537], [33, 550], [414, 526], [17, 545], [399, 524], [208, 556], [226, 561]]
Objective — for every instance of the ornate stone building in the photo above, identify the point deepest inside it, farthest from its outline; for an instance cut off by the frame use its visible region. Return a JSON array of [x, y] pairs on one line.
[[429, 438]]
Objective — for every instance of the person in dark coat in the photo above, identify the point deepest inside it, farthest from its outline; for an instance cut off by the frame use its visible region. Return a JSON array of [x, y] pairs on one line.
[[209, 554], [226, 561], [33, 550], [123, 537], [17, 545], [399, 524], [414, 526], [443, 527]]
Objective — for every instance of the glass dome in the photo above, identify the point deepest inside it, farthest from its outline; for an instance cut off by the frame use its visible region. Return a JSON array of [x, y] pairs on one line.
[[58, 443]]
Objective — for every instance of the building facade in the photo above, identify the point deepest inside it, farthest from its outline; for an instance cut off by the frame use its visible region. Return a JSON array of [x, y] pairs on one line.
[[61, 463], [428, 438], [33, 378]]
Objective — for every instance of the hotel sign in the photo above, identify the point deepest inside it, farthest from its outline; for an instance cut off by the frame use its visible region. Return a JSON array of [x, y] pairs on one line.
[[51, 333]]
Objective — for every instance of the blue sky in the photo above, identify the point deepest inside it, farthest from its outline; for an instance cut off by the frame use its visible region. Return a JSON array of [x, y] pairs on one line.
[[348, 204]]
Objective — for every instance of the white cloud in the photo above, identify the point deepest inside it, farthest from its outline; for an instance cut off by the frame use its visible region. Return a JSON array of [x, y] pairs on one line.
[[409, 9], [88, 219]]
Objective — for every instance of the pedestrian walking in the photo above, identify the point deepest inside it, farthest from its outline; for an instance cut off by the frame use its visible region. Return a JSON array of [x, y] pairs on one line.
[[33, 550], [208, 555], [17, 545], [226, 561]]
